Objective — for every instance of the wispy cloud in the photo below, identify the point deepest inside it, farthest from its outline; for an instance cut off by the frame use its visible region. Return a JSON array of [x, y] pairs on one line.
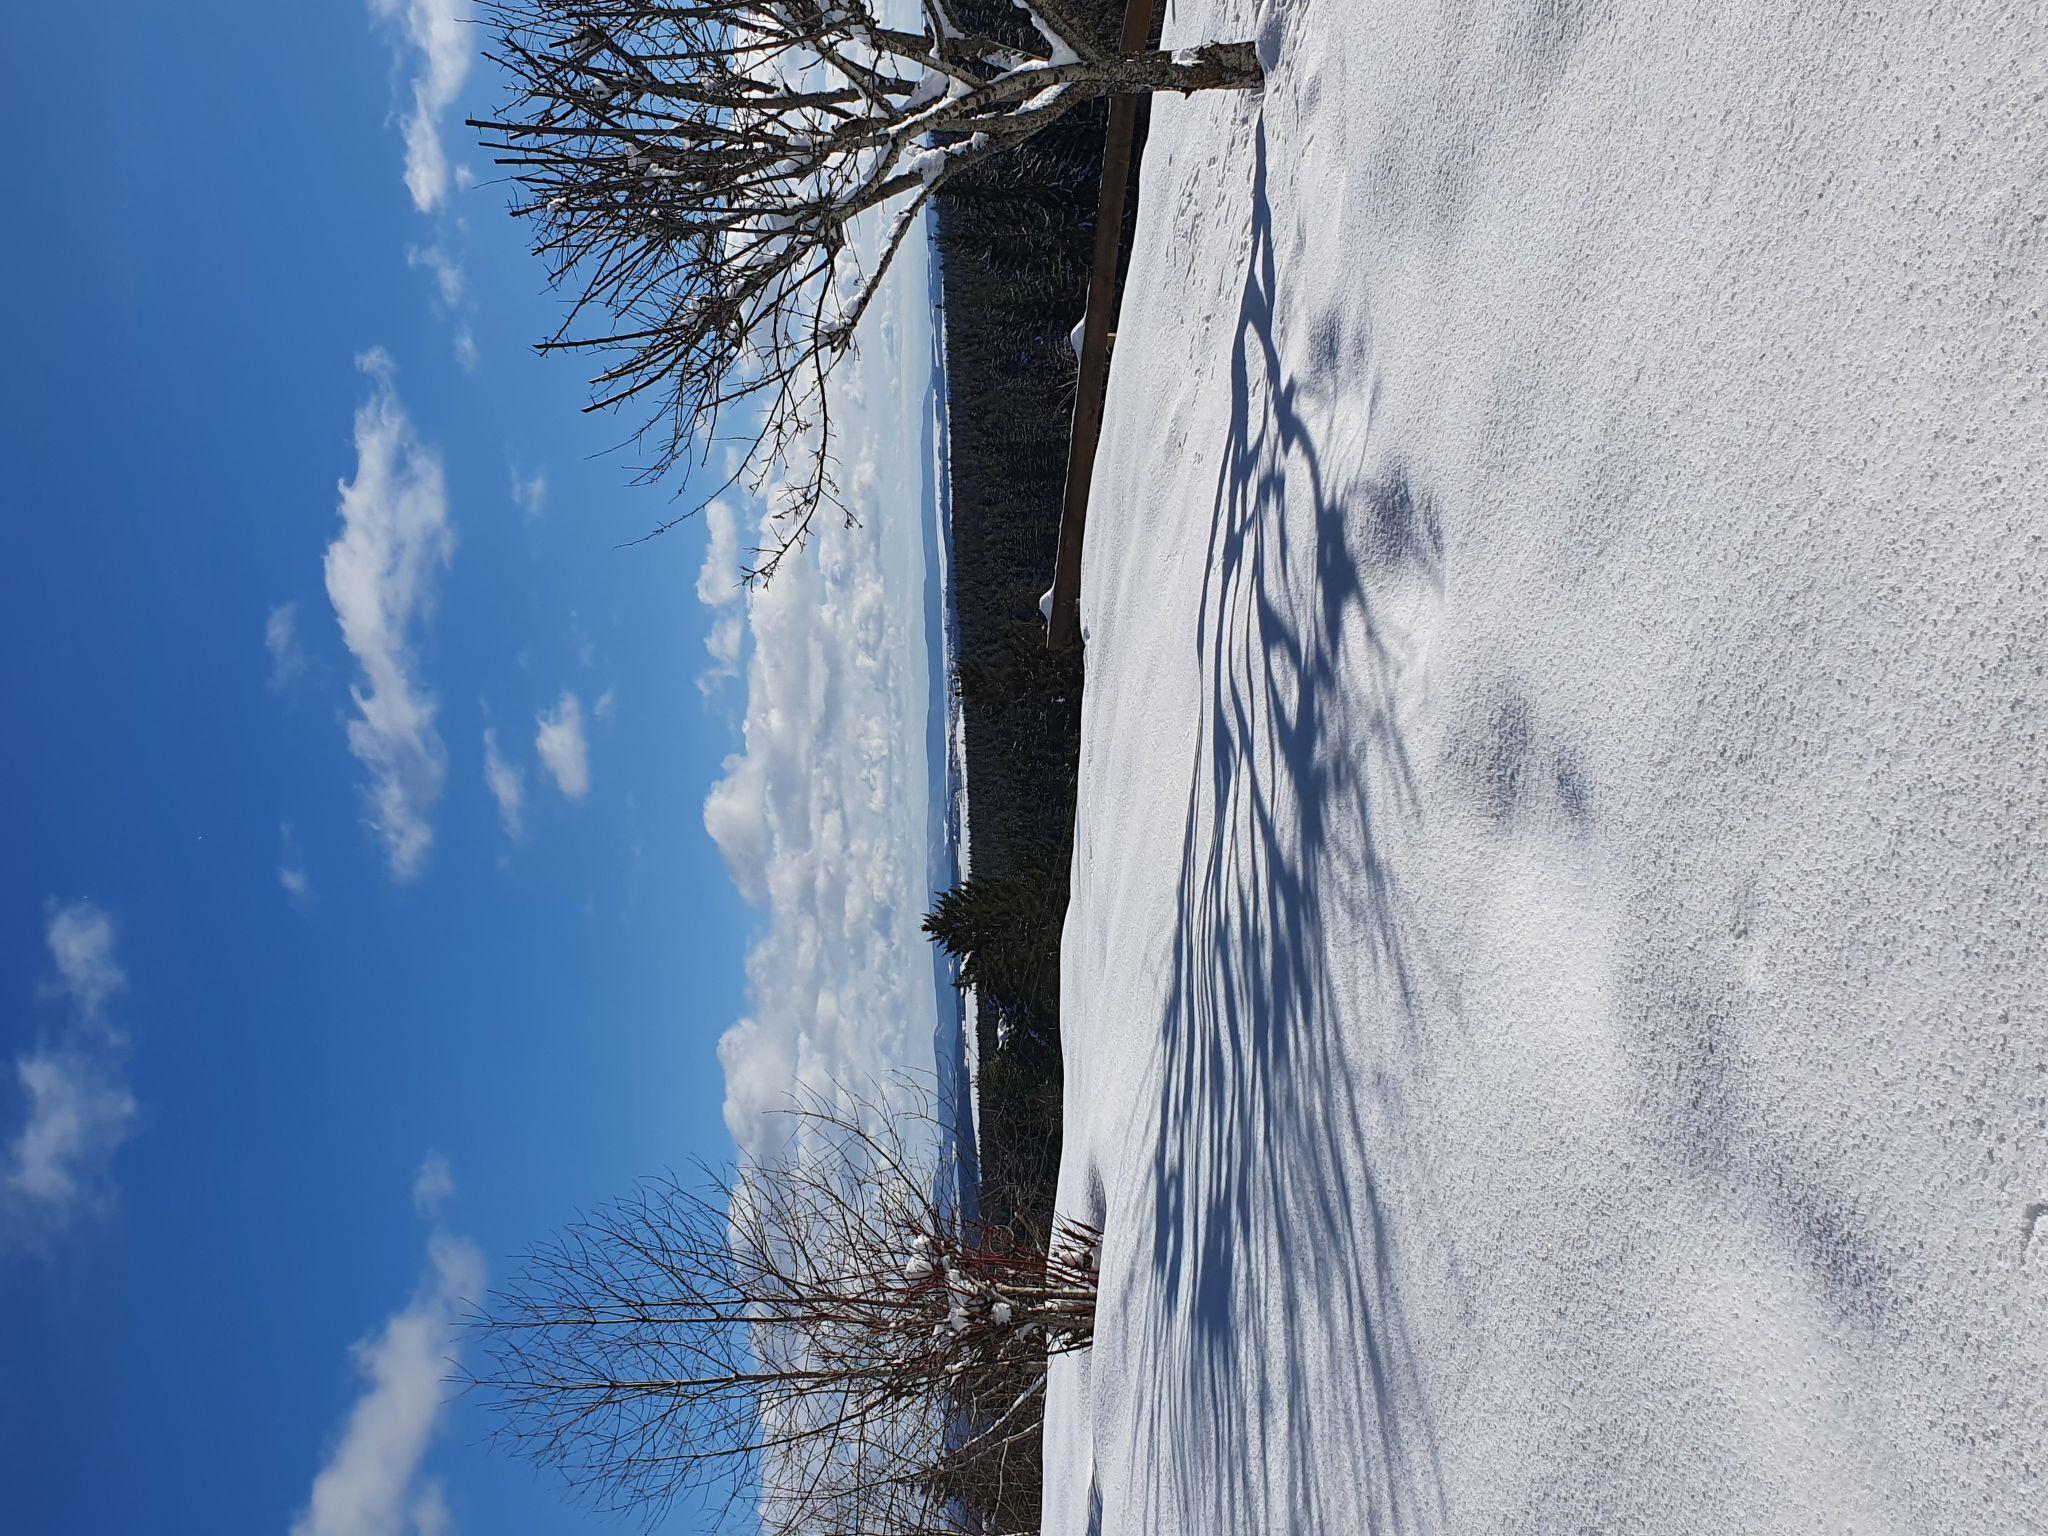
[[371, 1484], [446, 269], [433, 1185], [79, 1108], [465, 349], [380, 575], [719, 579], [563, 751], [81, 940], [430, 39], [719, 588], [291, 865], [281, 640], [507, 785], [606, 703], [530, 493], [79, 1113], [727, 635], [430, 1516], [586, 648]]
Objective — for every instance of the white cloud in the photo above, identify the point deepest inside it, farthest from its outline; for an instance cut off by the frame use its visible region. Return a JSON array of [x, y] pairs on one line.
[[291, 865], [563, 751], [433, 1185], [281, 639], [821, 819], [586, 648], [719, 588], [81, 940], [449, 286], [380, 575], [723, 642], [447, 271], [719, 581], [432, 38], [78, 1116], [371, 1484], [430, 1515], [79, 1109], [530, 495], [606, 703], [507, 785]]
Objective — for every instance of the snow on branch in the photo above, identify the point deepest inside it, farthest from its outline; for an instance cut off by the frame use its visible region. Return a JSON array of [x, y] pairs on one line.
[[698, 172]]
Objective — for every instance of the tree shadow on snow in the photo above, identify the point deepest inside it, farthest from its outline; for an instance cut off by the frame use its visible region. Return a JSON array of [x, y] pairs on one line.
[[1289, 1396]]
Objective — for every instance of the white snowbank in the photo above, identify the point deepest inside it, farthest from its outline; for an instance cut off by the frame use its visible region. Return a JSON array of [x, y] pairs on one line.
[[1555, 986]]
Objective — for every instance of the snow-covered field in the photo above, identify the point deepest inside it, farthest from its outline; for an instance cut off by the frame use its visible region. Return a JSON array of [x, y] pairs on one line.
[[1556, 994]]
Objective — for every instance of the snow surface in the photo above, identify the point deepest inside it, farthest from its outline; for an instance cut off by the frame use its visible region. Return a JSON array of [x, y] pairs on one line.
[[1554, 993]]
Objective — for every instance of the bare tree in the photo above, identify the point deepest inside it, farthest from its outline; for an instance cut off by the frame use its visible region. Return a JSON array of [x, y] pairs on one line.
[[693, 168], [821, 1339]]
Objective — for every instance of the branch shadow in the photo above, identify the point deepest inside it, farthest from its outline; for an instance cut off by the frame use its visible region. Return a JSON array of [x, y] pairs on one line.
[[1291, 1402]]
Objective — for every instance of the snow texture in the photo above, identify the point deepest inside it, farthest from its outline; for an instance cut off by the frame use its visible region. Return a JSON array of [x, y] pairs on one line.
[[926, 164], [1554, 992]]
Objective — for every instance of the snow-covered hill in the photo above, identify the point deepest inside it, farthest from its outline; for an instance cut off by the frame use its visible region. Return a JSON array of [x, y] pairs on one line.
[[1557, 986]]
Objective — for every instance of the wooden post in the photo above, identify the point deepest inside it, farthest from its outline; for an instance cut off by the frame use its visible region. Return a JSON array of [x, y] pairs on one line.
[[1064, 626]]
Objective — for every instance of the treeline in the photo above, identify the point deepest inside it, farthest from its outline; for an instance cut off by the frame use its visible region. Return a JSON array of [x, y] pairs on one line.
[[1016, 240]]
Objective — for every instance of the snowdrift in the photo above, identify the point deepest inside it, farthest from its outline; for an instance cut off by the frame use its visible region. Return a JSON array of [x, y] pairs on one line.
[[1555, 982]]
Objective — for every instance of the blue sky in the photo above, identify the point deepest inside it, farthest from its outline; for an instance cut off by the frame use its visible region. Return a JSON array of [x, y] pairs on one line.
[[312, 1021]]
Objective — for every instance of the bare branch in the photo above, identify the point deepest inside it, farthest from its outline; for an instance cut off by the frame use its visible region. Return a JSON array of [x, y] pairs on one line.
[[699, 171], [823, 1333]]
